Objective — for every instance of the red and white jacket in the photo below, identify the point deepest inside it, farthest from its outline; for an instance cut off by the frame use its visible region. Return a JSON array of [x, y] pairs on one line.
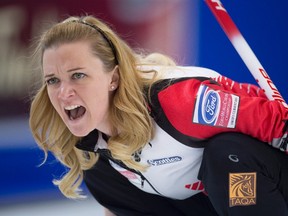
[[190, 106], [219, 105]]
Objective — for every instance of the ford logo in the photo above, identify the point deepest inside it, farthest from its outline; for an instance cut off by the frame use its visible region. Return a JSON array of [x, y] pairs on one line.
[[210, 107]]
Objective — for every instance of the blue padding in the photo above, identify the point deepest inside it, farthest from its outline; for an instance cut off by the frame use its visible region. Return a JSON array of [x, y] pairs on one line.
[[21, 178]]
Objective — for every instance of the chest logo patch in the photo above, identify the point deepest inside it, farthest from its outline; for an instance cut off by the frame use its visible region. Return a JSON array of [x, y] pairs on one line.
[[163, 161], [242, 189]]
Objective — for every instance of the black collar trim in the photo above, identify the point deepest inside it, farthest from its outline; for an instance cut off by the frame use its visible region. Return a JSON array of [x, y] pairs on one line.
[[89, 142]]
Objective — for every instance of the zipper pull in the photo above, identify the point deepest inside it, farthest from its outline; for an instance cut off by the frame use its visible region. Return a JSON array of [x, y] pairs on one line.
[[142, 182]]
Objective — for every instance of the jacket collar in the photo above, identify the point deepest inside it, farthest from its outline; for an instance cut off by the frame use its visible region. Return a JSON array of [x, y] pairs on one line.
[[89, 142], [93, 141]]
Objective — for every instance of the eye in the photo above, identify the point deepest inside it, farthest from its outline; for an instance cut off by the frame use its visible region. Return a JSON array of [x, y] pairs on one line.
[[52, 81], [78, 75]]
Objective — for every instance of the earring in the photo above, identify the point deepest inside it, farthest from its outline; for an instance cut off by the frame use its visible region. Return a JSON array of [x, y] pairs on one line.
[[112, 87]]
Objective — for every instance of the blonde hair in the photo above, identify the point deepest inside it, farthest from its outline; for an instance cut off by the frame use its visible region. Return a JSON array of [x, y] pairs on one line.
[[128, 111]]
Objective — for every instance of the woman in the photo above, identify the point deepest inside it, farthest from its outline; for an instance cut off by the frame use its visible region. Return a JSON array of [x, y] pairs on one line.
[[134, 127]]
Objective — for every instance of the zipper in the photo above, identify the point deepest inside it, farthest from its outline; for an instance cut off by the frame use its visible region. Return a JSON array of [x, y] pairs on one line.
[[105, 153], [143, 178], [142, 182]]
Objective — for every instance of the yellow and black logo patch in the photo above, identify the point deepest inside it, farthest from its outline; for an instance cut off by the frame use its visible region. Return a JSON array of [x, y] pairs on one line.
[[242, 189]]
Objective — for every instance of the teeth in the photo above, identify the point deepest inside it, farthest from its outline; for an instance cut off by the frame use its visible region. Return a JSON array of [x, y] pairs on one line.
[[71, 107]]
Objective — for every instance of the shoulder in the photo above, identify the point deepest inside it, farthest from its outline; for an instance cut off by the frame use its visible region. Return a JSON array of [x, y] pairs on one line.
[[177, 78], [173, 91], [171, 104], [169, 72]]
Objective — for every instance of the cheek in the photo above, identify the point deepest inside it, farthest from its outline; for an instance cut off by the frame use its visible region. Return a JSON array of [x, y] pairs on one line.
[[98, 103]]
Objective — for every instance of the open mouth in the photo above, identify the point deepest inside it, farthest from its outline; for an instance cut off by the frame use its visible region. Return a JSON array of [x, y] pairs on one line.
[[75, 111]]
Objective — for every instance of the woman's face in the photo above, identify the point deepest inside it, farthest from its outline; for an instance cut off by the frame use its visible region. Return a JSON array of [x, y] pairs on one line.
[[78, 87]]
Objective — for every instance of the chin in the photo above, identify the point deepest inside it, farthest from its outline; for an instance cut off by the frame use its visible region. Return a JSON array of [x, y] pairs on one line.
[[79, 133]]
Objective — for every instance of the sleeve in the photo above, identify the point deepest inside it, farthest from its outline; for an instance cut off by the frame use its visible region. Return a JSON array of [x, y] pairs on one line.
[[240, 88], [202, 108]]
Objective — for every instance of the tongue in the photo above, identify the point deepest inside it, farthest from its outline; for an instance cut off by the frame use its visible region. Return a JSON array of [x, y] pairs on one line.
[[76, 113]]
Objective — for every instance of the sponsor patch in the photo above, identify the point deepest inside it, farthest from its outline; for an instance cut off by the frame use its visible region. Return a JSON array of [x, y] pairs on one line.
[[162, 161], [215, 108], [242, 189]]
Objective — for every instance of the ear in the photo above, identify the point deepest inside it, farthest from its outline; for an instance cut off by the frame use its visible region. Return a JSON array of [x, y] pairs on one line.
[[114, 79]]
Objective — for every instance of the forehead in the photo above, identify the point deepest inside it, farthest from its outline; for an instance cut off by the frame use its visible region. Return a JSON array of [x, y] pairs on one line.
[[74, 54], [69, 48]]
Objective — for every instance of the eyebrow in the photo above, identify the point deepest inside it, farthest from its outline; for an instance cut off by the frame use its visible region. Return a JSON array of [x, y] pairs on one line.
[[68, 71], [74, 69]]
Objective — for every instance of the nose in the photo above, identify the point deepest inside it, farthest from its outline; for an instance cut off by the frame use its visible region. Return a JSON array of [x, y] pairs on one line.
[[66, 91]]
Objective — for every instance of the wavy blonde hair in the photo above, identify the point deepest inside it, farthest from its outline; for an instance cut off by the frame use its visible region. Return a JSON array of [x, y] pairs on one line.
[[128, 111]]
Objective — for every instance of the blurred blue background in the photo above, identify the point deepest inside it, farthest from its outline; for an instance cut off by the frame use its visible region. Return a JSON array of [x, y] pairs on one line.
[[184, 29]]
